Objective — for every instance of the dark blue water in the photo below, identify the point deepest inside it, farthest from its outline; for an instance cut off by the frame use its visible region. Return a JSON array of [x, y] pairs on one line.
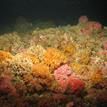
[[58, 11]]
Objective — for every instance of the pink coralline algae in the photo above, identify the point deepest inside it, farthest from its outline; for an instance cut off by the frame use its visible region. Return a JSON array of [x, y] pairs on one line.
[[90, 27], [67, 79], [75, 83], [83, 19], [102, 52], [6, 86], [96, 26], [105, 45], [61, 75]]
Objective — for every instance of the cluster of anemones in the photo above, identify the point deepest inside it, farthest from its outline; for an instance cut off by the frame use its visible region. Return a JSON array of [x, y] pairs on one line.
[[5, 55], [67, 79], [42, 73], [69, 49], [82, 56], [54, 58]]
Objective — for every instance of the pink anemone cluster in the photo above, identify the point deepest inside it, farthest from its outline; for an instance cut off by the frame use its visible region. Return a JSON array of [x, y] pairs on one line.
[[67, 79]]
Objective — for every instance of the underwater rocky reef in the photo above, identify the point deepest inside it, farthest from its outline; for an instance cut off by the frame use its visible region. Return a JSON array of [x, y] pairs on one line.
[[63, 66]]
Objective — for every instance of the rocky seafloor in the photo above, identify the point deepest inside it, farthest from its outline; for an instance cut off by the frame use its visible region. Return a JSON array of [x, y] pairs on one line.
[[63, 66]]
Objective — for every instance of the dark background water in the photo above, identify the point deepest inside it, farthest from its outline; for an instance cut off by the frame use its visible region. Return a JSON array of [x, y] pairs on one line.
[[57, 10]]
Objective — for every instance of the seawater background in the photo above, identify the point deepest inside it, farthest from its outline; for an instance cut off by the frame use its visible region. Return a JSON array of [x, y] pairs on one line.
[[59, 12]]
